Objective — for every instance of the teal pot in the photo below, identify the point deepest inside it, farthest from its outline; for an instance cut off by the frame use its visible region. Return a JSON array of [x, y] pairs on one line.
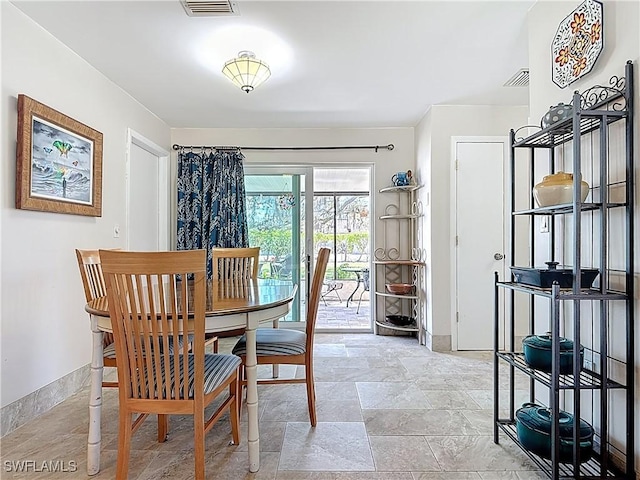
[[538, 353], [533, 426]]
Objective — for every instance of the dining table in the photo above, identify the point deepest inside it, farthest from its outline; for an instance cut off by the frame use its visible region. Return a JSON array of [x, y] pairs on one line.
[[229, 306]]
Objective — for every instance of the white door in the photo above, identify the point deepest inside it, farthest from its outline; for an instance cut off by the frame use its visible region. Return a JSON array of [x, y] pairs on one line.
[[480, 239], [147, 209]]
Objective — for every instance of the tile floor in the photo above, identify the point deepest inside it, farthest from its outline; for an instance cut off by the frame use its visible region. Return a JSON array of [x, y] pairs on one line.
[[388, 409]]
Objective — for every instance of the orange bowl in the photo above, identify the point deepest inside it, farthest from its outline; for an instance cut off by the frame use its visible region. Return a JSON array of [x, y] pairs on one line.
[[399, 288]]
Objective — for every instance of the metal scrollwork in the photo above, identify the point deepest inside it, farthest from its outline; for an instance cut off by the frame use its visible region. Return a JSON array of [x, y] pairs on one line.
[[600, 95], [391, 209], [382, 254], [523, 127]]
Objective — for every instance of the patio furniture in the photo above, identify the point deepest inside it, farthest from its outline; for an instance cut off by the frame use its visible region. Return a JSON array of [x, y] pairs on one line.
[[332, 286]]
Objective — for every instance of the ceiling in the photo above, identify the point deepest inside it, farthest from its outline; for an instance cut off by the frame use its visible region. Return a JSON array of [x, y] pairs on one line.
[[334, 63]]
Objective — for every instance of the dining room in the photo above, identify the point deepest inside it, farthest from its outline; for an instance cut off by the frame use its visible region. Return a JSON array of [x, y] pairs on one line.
[[397, 407]]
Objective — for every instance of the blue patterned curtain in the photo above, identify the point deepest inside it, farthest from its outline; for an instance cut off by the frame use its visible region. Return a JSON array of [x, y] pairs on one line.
[[212, 208]]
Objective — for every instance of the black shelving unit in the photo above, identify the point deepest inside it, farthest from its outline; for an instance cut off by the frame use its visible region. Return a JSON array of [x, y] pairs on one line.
[[584, 313]]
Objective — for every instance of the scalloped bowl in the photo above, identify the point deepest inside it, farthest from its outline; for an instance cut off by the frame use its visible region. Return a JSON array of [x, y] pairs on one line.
[[399, 288]]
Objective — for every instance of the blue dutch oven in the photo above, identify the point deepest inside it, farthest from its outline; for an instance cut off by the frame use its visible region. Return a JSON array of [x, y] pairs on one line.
[[538, 354], [533, 425]]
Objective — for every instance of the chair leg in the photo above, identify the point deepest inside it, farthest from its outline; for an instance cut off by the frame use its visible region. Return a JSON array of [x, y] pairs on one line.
[[235, 390], [198, 442], [124, 444], [163, 427], [360, 301], [311, 394]]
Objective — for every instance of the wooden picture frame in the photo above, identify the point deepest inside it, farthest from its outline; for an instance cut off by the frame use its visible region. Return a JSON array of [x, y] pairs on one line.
[[58, 162]]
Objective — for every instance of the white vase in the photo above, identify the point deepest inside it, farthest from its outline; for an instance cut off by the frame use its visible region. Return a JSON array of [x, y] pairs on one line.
[[557, 189]]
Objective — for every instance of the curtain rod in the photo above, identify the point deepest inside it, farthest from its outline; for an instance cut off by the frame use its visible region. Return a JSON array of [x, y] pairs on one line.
[[348, 147]]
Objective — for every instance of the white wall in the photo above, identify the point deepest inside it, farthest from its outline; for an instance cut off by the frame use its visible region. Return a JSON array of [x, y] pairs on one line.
[[621, 26], [45, 331], [433, 147]]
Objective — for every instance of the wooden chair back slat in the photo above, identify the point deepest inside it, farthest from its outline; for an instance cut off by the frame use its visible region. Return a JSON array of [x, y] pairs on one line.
[[236, 263]]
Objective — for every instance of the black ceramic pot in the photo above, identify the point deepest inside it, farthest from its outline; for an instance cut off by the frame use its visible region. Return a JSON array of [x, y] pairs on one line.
[[538, 353], [399, 320], [533, 426]]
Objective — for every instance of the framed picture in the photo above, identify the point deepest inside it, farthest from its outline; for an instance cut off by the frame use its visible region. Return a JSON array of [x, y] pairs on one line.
[[59, 162]]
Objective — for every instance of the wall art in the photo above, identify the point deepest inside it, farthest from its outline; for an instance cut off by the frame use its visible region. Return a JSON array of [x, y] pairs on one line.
[[58, 162], [577, 43]]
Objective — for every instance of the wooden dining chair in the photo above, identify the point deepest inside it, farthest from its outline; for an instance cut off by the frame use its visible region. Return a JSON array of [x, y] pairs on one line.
[[151, 305], [94, 287], [279, 346], [237, 263]]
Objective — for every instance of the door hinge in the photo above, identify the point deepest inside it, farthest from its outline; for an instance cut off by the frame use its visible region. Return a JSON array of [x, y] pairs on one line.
[[456, 240], [457, 317], [456, 165]]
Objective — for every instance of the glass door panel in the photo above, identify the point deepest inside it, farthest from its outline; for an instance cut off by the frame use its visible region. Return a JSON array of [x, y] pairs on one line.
[[276, 213]]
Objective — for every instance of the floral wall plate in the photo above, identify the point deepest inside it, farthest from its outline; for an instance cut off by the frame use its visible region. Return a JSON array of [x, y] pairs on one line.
[[577, 43]]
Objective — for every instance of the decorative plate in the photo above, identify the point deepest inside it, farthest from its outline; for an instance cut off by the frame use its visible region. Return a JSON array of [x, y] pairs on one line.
[[577, 43]]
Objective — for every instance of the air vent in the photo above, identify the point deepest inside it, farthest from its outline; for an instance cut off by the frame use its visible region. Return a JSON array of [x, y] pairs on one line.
[[520, 79], [205, 8]]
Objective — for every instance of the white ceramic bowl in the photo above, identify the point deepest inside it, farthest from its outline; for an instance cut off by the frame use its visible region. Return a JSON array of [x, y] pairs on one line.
[[558, 194], [557, 189]]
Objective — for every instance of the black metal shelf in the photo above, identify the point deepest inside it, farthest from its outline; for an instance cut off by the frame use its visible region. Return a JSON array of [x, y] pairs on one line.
[[588, 470], [562, 132], [565, 294], [593, 113], [566, 208], [589, 380]]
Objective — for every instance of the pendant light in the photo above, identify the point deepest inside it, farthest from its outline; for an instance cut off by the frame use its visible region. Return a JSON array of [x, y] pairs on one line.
[[246, 71]]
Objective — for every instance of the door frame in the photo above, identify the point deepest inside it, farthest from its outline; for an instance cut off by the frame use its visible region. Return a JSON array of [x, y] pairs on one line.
[[164, 187], [452, 227]]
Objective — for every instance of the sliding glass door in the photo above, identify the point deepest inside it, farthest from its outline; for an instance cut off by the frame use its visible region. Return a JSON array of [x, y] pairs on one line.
[[292, 212]]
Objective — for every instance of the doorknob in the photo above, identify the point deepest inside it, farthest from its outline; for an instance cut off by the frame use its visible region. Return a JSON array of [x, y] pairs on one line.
[[498, 256]]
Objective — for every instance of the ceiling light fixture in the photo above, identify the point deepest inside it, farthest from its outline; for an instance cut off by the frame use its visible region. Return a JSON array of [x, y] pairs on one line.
[[246, 71]]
